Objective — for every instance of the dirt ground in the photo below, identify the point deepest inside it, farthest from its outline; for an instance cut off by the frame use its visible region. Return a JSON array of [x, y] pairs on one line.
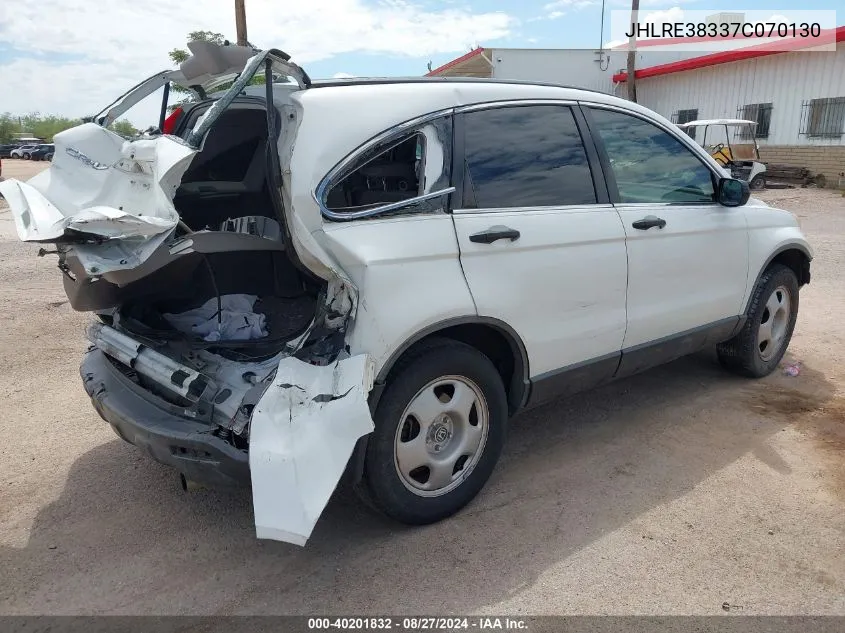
[[672, 492]]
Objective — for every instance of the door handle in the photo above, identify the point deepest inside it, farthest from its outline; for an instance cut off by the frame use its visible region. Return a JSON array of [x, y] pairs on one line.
[[495, 233], [649, 221]]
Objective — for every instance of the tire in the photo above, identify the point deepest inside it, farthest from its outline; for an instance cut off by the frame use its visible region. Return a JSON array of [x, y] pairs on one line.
[[760, 345], [757, 183], [456, 449], [26, 156]]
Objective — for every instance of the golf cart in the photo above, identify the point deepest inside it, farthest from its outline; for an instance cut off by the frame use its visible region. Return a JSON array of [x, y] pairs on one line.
[[743, 159]]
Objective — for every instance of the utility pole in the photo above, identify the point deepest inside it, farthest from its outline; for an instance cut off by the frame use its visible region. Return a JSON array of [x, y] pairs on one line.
[[632, 52], [240, 22]]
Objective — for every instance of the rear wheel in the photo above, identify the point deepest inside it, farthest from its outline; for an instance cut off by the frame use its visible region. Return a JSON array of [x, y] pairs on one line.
[[439, 431], [762, 342], [758, 182], [26, 156]]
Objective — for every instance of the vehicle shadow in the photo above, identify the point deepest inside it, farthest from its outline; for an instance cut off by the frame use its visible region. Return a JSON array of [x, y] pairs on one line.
[[123, 538]]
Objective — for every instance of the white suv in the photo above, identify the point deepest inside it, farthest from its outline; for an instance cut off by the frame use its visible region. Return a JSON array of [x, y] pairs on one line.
[[372, 276]]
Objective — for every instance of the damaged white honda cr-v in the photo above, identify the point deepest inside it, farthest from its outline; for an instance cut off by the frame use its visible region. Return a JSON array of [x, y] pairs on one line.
[[300, 279]]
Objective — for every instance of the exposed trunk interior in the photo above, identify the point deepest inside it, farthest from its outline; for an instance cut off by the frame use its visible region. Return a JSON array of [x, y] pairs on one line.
[[229, 242], [287, 303]]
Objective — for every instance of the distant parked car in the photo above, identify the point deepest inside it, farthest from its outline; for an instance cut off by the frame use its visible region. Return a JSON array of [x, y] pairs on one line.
[[43, 152], [6, 150], [24, 151]]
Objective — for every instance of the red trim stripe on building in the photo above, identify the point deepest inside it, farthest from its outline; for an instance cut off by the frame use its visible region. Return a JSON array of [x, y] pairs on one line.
[[724, 57], [455, 62]]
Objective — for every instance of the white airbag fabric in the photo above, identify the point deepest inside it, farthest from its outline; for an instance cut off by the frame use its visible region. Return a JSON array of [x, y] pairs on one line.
[[237, 320]]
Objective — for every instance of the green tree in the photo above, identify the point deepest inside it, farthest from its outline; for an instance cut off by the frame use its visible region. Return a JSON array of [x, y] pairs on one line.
[[178, 55], [42, 126], [124, 128], [8, 126]]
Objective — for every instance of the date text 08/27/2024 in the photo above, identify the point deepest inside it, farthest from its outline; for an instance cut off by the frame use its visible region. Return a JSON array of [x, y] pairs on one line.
[[418, 623]]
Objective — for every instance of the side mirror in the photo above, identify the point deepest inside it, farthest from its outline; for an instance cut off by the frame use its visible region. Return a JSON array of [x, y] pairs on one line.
[[732, 192]]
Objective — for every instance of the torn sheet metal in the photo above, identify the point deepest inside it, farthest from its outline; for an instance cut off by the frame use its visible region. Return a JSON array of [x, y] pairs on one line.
[[302, 434], [101, 187]]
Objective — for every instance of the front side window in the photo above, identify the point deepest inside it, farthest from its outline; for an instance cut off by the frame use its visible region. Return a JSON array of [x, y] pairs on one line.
[[526, 156], [649, 164], [399, 169]]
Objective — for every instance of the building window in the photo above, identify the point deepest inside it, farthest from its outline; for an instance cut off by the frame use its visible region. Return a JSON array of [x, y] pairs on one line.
[[759, 112], [685, 116], [823, 118]]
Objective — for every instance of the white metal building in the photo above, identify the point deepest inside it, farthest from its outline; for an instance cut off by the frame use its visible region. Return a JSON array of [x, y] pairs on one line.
[[797, 97]]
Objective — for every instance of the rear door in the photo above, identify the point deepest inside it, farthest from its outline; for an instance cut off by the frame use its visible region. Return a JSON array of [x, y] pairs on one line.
[[687, 254], [541, 247]]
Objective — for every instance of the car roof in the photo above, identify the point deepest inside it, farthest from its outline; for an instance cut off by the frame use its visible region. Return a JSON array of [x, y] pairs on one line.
[[428, 94], [258, 89], [380, 81], [703, 122]]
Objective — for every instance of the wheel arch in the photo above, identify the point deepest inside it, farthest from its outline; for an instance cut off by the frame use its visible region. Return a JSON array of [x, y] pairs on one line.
[[794, 256], [492, 337]]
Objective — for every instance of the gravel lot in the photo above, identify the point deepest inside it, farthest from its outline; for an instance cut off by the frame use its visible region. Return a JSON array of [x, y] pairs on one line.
[[672, 492]]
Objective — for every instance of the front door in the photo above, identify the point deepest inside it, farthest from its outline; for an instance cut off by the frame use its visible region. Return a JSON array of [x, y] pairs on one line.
[[541, 248], [687, 254]]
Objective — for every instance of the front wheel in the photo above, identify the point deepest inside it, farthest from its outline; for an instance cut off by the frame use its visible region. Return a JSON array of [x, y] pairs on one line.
[[762, 342], [439, 430]]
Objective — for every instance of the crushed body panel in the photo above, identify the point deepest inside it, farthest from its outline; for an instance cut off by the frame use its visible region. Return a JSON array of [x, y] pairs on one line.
[[107, 199], [303, 431]]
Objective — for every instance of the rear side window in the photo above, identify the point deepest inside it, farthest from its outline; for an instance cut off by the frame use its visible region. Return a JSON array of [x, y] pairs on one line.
[[526, 156], [649, 164], [400, 169]]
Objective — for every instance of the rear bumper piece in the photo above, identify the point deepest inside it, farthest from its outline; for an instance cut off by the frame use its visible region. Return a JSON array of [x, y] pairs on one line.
[[174, 440]]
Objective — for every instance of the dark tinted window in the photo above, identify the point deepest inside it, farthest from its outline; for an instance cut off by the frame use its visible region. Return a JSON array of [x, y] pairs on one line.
[[649, 164], [527, 156]]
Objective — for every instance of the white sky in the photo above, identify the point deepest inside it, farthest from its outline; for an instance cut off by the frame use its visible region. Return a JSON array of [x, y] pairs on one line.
[[72, 57]]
